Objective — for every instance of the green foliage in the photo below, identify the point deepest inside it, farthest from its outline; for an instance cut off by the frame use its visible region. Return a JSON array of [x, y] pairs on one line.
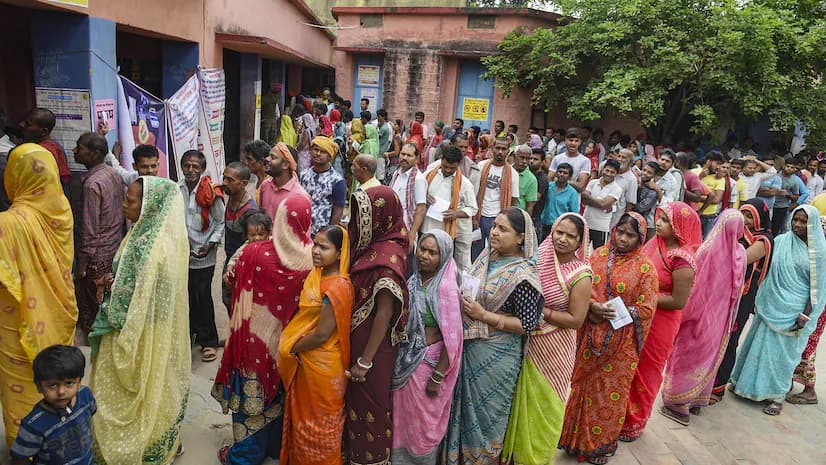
[[676, 65]]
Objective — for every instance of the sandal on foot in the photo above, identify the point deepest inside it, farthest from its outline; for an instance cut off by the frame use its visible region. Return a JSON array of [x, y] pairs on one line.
[[714, 398], [672, 415], [209, 354], [222, 454], [598, 460], [625, 437], [798, 399], [694, 410], [773, 409]]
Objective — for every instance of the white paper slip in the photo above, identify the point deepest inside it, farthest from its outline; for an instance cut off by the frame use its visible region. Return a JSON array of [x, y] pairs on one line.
[[470, 285], [476, 235], [437, 210], [623, 318]]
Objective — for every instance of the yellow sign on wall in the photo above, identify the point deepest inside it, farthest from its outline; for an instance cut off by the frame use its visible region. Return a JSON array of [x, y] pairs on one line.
[[80, 3], [475, 109]]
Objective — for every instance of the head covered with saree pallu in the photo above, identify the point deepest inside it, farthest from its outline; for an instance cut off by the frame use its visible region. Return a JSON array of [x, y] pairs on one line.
[[759, 211], [141, 356], [416, 135], [308, 124], [686, 225], [287, 134], [417, 441], [357, 131], [495, 287], [314, 380], [371, 141], [36, 287], [607, 358], [708, 316], [545, 378], [269, 276], [378, 244]]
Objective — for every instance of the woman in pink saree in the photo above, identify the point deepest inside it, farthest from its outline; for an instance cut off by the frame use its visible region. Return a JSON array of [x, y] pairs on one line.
[[707, 319], [427, 365]]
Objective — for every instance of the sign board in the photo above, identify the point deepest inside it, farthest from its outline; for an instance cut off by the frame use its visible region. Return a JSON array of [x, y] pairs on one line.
[[72, 109], [475, 109], [368, 75], [105, 112], [80, 3]]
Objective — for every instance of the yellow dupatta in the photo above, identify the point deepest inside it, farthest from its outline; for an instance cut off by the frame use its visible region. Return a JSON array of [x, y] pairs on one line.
[[37, 293], [287, 133], [315, 385]]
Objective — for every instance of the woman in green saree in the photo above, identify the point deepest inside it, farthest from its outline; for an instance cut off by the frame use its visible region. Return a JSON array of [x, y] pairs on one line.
[[140, 341]]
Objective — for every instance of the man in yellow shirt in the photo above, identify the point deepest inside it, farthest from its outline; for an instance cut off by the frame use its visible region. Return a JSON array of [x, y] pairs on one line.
[[738, 187], [719, 186]]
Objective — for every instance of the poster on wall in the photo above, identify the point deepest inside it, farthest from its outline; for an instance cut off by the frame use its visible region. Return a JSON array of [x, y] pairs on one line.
[[104, 111], [475, 109], [368, 75], [145, 123], [73, 116], [212, 84], [184, 111], [372, 96]]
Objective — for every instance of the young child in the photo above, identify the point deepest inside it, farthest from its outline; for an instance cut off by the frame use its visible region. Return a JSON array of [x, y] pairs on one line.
[[258, 227], [59, 428]]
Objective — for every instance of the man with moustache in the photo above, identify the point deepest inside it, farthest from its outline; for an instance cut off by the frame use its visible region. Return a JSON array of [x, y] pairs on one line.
[[498, 189], [325, 186]]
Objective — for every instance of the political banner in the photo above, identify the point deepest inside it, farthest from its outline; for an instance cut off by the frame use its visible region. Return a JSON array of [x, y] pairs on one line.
[[147, 120], [184, 110], [212, 84]]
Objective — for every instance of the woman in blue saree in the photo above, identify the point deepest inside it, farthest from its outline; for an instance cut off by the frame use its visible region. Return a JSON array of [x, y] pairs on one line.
[[508, 306], [787, 307]]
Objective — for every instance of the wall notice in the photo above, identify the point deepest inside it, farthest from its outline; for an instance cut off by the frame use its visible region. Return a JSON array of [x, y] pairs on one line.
[[104, 112], [475, 109], [73, 116], [368, 75]]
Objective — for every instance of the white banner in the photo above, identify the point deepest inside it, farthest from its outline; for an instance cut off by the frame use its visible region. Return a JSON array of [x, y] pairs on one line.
[[184, 109], [213, 103]]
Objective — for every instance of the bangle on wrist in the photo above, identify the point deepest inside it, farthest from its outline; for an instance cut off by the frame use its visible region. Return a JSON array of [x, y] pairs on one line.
[[361, 363], [437, 375], [804, 317], [435, 381]]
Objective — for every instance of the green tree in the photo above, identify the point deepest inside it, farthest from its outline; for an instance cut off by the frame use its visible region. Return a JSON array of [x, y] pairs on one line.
[[676, 66]]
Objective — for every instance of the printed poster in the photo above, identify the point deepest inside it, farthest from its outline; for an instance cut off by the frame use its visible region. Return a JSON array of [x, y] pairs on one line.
[[104, 111], [73, 116], [212, 84], [475, 109], [146, 122], [368, 75], [184, 108]]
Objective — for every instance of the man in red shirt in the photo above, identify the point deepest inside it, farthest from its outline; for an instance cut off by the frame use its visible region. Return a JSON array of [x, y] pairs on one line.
[[37, 127]]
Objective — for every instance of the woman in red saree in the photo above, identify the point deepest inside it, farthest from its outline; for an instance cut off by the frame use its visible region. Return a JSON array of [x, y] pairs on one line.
[[606, 357], [707, 319], [268, 279], [416, 135], [378, 242], [672, 251], [313, 354]]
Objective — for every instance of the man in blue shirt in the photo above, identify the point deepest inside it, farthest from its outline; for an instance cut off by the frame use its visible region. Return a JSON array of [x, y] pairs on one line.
[[561, 198]]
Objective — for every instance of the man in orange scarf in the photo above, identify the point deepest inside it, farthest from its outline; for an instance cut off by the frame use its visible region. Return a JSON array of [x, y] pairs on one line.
[[204, 210], [498, 189]]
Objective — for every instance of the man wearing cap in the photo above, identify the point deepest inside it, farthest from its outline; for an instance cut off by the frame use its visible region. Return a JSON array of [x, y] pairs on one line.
[[326, 187], [283, 182]]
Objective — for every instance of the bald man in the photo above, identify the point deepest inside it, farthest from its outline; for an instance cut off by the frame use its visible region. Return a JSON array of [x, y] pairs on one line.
[[364, 170], [325, 185]]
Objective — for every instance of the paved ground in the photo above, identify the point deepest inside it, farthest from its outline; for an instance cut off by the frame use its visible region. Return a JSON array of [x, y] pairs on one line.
[[734, 432]]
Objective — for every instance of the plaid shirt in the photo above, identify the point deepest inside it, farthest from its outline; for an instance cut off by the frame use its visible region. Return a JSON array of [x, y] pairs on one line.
[[101, 218]]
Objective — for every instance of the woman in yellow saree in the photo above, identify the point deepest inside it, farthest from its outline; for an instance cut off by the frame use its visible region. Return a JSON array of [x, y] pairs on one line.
[[314, 352], [287, 134], [141, 357], [37, 294]]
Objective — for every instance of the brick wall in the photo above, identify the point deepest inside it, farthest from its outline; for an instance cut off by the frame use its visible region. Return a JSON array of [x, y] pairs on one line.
[[411, 82]]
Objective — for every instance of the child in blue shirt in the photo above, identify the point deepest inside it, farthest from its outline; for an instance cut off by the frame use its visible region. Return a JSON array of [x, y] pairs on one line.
[[58, 430]]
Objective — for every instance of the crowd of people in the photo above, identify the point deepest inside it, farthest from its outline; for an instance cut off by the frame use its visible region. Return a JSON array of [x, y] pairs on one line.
[[428, 295]]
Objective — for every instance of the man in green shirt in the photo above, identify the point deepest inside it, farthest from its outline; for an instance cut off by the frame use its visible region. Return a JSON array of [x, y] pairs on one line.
[[527, 180]]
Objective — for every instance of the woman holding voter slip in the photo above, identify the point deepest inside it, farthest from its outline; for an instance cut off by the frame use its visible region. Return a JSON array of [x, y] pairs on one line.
[[623, 299], [508, 305]]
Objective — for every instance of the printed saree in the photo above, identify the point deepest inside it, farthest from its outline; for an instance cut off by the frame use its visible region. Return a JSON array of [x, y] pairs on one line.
[[492, 359], [314, 381], [378, 241], [417, 442], [269, 276], [37, 294], [140, 340], [665, 324], [607, 358], [769, 354], [544, 382], [708, 316]]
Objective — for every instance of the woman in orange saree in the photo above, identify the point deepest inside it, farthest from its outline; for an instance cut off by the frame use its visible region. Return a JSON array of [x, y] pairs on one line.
[[607, 357], [314, 352]]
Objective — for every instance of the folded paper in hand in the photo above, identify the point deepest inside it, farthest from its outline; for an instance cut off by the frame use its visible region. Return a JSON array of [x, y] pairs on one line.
[[623, 317], [470, 285]]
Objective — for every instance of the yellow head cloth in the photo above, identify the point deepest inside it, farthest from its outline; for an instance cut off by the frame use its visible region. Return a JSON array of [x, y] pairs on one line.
[[325, 143]]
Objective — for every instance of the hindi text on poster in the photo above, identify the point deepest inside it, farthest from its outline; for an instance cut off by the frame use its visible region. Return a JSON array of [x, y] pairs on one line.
[[475, 109]]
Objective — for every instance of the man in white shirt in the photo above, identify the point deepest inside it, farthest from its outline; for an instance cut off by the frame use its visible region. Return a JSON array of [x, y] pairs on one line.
[[629, 183], [752, 178], [815, 183], [599, 198], [489, 194], [457, 219], [411, 187], [580, 163]]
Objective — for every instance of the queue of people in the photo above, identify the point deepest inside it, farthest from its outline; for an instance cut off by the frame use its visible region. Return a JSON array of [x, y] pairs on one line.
[[370, 330]]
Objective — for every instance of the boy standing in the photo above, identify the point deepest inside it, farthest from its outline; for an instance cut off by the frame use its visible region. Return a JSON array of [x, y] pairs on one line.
[[59, 428]]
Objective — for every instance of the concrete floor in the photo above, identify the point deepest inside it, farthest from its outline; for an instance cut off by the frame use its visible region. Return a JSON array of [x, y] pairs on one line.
[[734, 432]]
